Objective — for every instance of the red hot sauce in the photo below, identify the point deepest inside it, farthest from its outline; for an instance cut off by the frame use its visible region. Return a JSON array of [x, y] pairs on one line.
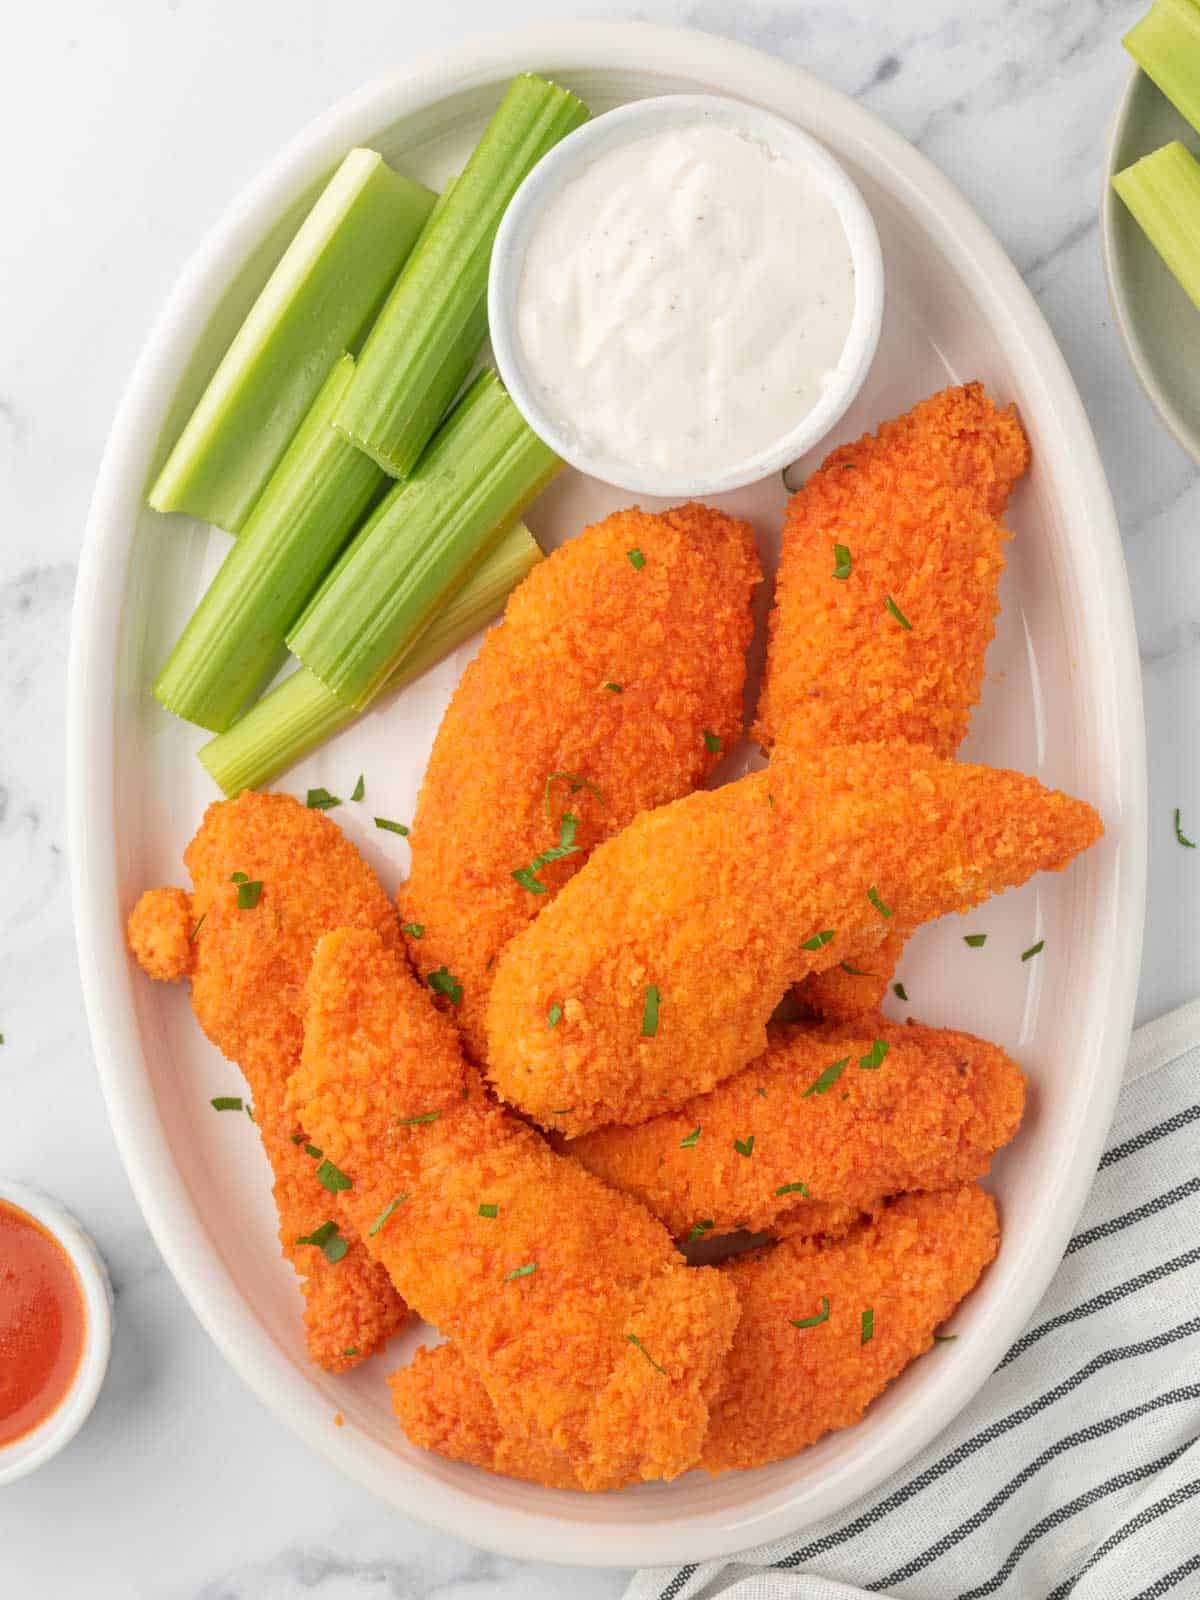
[[42, 1323]]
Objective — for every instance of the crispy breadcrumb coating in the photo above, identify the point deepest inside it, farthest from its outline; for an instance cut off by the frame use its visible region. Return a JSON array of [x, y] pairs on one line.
[[248, 970], [569, 1300], [927, 1111], [669, 951], [594, 697], [786, 1386]]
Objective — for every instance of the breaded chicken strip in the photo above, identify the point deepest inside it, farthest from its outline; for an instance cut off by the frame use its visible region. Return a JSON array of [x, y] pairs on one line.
[[248, 966], [611, 687], [663, 959], [570, 1301], [916, 507], [785, 1386], [831, 1119]]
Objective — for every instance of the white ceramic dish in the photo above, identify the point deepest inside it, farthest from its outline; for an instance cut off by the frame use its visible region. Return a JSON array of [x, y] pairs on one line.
[[1158, 323], [636, 121], [35, 1448], [1063, 700]]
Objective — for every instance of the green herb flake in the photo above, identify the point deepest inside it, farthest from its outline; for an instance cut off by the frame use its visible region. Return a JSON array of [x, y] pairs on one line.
[[297, 1138], [855, 972], [818, 1319], [350, 1350], [1034, 950], [444, 982], [389, 826], [650, 1012], [239, 877], [975, 940], [249, 894], [636, 559], [828, 1078], [794, 1188], [566, 846], [360, 789], [226, 1102], [897, 613], [760, 1090], [692, 1140], [526, 1271], [873, 896], [489, 1211], [875, 1057], [944, 1338], [328, 1240], [333, 1178], [1189, 844], [712, 742], [191, 938], [699, 1229], [321, 800], [818, 940], [900, 992], [412, 1122], [554, 1015], [385, 1214], [633, 1339], [615, 688], [841, 561], [744, 1147], [868, 1326], [414, 930], [575, 782], [311, 1150], [561, 1111]]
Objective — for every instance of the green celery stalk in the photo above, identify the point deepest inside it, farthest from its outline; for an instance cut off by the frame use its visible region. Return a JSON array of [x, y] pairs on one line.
[[320, 300], [1162, 190], [482, 468], [302, 713], [1166, 45], [314, 500], [428, 334]]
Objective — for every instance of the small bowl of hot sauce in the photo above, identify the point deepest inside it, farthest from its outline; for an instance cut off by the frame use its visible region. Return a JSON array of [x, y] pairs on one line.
[[55, 1328]]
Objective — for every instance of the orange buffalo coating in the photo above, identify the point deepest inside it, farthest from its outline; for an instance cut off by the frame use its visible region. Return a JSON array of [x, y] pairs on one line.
[[784, 1386], [668, 952], [609, 688], [852, 1113], [248, 968], [568, 1300]]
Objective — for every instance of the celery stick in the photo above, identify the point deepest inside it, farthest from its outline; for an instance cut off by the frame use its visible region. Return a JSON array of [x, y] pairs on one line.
[[319, 301], [315, 498], [1166, 45], [482, 468], [1162, 191], [302, 713], [429, 332]]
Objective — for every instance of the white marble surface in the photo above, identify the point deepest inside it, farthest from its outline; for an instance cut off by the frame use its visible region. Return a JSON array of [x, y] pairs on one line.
[[127, 127]]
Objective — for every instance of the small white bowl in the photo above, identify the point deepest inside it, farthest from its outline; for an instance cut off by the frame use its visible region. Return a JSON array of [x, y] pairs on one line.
[[578, 151], [35, 1448]]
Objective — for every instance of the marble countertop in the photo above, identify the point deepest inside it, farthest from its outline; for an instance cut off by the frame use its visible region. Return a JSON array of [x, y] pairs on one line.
[[129, 128]]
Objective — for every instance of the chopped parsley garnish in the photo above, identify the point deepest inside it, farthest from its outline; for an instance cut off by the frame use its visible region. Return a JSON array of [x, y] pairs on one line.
[[615, 688], [712, 742], [760, 1090], [226, 1102], [1034, 950], [553, 1015], [576, 781], [444, 982], [817, 940], [350, 1350], [900, 992], [389, 826], [1180, 835], [489, 1211], [636, 559], [633, 1339], [692, 1139], [297, 1138], [250, 1112], [868, 1326], [650, 1012], [944, 1338], [333, 1178], [814, 1322], [975, 940], [191, 936], [311, 1150], [561, 1111], [360, 789], [414, 930], [249, 894], [566, 846], [828, 1078], [239, 877], [385, 1214], [411, 1122], [521, 1272], [855, 972], [897, 613], [841, 561], [328, 1240], [875, 1058], [321, 800], [794, 1188], [874, 897], [699, 1229], [744, 1147]]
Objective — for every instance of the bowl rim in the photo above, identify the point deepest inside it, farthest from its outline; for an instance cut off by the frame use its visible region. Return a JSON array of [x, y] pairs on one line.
[[32, 1450], [635, 120], [94, 698]]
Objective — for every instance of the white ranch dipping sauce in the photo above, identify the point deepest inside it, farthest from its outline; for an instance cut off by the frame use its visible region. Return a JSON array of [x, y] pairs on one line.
[[684, 300]]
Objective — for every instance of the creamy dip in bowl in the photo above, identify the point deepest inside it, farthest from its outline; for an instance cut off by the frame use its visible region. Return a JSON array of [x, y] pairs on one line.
[[685, 295]]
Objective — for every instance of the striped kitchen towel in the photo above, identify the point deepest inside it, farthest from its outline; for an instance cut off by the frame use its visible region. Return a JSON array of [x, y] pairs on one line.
[[1076, 1469]]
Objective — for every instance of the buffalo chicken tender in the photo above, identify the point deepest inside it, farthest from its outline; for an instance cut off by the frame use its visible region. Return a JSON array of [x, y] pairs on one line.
[[612, 686], [570, 1302], [663, 959], [248, 965], [830, 1120]]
